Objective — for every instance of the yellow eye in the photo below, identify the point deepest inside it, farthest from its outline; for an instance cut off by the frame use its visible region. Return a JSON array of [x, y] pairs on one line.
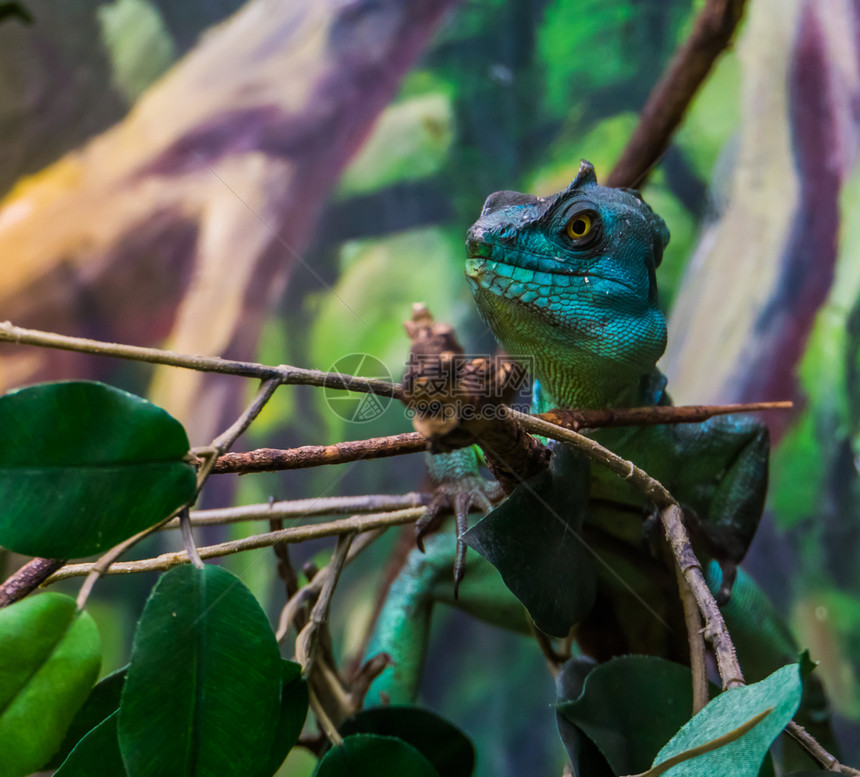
[[579, 226]]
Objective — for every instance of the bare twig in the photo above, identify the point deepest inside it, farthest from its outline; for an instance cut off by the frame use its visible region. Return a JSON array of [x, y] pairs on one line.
[[188, 539], [311, 591], [673, 524], [95, 570], [358, 523], [27, 579], [285, 565], [652, 414], [673, 93], [272, 459], [693, 621], [812, 746], [715, 627], [307, 641], [305, 508], [224, 441], [283, 374]]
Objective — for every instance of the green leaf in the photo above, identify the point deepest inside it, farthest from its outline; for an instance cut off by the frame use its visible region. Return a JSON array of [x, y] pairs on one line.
[[294, 710], [100, 704], [83, 466], [97, 754], [584, 755], [49, 659], [202, 695], [13, 10], [629, 707], [778, 695], [533, 539], [446, 747], [372, 755]]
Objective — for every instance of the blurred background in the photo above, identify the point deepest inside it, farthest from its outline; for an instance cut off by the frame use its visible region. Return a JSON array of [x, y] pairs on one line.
[[280, 181]]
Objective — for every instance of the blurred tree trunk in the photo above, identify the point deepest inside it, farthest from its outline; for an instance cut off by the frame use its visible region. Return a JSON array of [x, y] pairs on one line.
[[181, 224], [765, 267]]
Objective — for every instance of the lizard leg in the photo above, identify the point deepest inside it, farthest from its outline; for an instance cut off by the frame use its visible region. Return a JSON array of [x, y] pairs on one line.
[[741, 445], [403, 627]]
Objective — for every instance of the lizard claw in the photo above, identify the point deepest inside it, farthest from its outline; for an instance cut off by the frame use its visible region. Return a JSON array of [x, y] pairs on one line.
[[461, 495]]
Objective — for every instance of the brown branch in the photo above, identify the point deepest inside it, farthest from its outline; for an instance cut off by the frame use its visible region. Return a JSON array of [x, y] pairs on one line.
[[357, 523], [28, 578], [651, 415], [672, 519], [284, 374], [271, 459], [305, 508], [693, 622], [676, 88], [812, 746]]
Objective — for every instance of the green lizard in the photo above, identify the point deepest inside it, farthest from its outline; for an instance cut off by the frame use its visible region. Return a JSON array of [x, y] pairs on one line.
[[568, 283]]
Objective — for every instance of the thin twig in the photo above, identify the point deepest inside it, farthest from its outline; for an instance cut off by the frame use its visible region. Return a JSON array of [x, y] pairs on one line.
[[693, 621], [284, 374], [95, 570], [274, 459], [812, 746], [224, 441], [673, 524], [715, 627], [311, 591], [358, 523], [28, 578], [306, 643], [220, 444], [319, 674], [188, 539], [671, 517], [305, 508]]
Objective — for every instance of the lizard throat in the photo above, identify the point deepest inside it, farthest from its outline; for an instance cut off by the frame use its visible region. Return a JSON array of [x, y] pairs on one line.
[[588, 341]]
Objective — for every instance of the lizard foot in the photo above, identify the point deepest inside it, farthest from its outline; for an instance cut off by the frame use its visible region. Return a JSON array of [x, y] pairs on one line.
[[461, 495]]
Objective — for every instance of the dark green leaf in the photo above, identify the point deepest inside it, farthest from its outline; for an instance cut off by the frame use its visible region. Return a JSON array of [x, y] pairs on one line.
[[585, 758], [533, 539], [83, 466], [15, 10], [780, 693], [630, 707], [100, 704], [202, 694], [442, 744], [294, 710], [49, 659], [372, 755], [97, 754]]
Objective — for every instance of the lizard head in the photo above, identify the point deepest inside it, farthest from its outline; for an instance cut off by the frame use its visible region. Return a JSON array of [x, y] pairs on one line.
[[569, 281]]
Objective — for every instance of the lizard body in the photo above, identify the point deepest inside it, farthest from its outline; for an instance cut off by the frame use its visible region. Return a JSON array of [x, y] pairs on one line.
[[568, 284]]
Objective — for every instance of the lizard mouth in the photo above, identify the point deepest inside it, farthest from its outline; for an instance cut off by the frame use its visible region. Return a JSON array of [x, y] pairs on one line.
[[481, 259]]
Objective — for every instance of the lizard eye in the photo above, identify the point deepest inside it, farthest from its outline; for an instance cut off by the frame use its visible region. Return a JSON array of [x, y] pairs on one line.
[[579, 226]]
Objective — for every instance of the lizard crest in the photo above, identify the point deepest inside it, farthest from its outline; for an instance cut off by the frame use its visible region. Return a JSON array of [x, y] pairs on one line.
[[569, 280]]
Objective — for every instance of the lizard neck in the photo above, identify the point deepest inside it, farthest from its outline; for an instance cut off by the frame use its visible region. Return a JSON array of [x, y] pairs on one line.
[[581, 360]]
